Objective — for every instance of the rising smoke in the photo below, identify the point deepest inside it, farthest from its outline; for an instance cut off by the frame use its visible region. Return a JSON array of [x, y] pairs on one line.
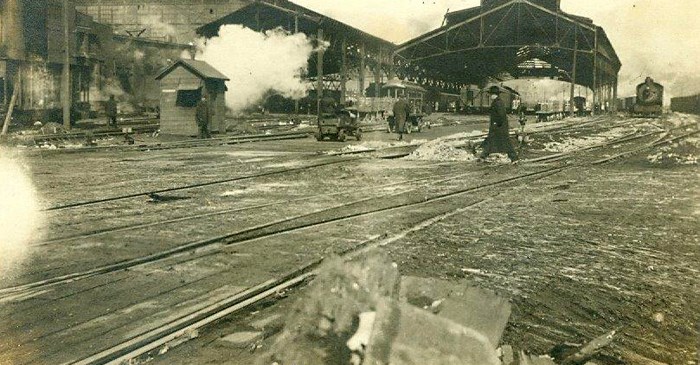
[[257, 63], [20, 217]]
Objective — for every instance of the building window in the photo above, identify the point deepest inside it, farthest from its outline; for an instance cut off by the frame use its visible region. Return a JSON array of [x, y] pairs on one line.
[[188, 98]]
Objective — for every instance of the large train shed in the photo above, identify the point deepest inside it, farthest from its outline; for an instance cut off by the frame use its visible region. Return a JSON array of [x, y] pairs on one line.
[[504, 39], [350, 50]]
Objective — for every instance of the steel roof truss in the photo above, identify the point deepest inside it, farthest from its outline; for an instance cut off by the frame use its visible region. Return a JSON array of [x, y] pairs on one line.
[[498, 25], [539, 24]]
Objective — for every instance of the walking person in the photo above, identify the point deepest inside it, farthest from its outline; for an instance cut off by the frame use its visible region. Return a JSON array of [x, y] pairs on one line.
[[111, 111], [522, 137], [401, 111], [498, 139], [203, 116]]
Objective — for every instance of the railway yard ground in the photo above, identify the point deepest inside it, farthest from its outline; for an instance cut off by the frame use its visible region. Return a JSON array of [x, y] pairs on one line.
[[595, 230]]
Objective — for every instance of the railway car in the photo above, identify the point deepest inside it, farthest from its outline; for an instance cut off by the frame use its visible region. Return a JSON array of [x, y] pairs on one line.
[[476, 100], [415, 95], [626, 104], [580, 106], [686, 104], [649, 98], [447, 103]]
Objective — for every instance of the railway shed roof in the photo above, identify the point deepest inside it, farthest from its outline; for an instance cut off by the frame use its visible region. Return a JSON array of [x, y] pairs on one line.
[[270, 14], [504, 39]]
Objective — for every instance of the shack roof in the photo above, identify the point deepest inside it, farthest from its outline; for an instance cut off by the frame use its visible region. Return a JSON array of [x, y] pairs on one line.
[[199, 68]]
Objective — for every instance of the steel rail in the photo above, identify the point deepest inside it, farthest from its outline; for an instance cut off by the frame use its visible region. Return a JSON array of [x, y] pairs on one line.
[[260, 231], [160, 336], [132, 349], [157, 338]]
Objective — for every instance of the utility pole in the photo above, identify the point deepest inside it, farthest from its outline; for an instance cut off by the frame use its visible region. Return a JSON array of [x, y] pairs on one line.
[[65, 79], [319, 72], [296, 30]]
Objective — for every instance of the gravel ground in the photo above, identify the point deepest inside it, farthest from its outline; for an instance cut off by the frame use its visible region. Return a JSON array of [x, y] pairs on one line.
[[579, 253]]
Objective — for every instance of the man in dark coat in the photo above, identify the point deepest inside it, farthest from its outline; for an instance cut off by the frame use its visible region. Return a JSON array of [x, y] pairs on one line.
[[401, 111], [203, 116], [111, 111], [498, 139]]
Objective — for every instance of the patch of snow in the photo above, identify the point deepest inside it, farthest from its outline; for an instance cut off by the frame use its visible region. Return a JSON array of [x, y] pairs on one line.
[[448, 148], [573, 144], [232, 192], [375, 145]]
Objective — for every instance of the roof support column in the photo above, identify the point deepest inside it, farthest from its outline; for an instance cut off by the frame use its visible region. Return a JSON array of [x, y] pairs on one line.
[[5, 88], [296, 30], [319, 72], [257, 20], [343, 70], [573, 73], [378, 72], [65, 77], [392, 68], [614, 98], [481, 30], [377, 78], [361, 71], [595, 72]]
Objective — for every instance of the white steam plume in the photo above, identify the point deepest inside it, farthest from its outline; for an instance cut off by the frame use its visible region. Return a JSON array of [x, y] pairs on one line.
[[258, 62], [20, 215]]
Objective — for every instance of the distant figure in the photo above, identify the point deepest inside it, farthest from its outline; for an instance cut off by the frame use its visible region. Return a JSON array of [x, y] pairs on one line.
[[522, 137], [111, 110], [498, 139], [401, 111], [203, 116]]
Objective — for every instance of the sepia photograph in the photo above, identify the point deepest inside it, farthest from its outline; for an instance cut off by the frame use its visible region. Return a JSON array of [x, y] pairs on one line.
[[349, 182]]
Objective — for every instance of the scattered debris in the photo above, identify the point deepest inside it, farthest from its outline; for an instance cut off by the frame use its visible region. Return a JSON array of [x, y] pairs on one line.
[[158, 198], [365, 313], [682, 153], [244, 339]]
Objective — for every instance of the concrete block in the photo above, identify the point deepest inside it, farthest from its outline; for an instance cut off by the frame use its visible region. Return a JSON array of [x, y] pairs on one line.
[[507, 357], [406, 335], [273, 321], [241, 339], [535, 360], [475, 308]]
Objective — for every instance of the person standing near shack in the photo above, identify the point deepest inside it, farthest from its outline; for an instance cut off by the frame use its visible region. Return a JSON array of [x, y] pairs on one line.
[[401, 111], [111, 111], [203, 116], [498, 139]]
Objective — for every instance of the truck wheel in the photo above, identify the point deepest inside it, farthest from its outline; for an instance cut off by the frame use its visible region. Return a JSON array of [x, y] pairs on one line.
[[408, 128], [319, 136], [358, 134], [341, 136]]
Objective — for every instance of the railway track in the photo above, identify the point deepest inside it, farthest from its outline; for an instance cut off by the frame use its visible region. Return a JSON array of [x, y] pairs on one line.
[[401, 151], [191, 143], [334, 160], [157, 337], [150, 343], [238, 236]]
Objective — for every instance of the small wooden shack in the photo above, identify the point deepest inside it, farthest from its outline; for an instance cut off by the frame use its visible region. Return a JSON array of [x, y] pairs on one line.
[[181, 87]]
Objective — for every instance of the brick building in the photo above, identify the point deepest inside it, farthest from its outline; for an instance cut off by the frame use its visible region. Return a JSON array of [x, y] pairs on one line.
[[162, 20]]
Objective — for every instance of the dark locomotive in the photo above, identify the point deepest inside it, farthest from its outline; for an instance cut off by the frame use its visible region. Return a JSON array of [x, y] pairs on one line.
[[649, 99]]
